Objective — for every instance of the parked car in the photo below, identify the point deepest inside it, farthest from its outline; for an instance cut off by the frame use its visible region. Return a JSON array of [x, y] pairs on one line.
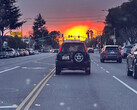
[[17, 53], [31, 51], [4, 54], [55, 50], [51, 51], [126, 50], [73, 56], [20, 51], [132, 63], [12, 52], [90, 50], [36, 52], [27, 52], [111, 52]]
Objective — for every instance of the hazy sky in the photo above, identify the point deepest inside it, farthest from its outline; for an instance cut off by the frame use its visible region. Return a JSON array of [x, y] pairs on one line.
[[59, 13]]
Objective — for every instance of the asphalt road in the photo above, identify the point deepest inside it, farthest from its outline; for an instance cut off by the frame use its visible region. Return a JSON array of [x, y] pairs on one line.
[[29, 83]]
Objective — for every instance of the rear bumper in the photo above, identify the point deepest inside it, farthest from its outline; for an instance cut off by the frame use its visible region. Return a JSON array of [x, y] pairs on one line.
[[111, 57], [72, 65]]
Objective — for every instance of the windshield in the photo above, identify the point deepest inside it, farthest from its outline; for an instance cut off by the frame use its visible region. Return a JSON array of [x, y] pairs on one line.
[[112, 48], [73, 47]]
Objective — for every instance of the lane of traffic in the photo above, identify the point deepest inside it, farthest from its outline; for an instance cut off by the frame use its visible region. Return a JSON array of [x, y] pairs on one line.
[[16, 84], [75, 90], [10, 63], [117, 70]]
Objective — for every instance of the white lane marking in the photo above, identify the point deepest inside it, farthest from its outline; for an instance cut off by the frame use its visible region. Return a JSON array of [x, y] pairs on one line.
[[35, 68], [130, 88], [3, 107], [107, 72], [9, 69], [101, 67]]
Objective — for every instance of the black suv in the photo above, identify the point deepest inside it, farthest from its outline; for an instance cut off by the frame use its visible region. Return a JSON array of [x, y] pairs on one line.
[[73, 56]]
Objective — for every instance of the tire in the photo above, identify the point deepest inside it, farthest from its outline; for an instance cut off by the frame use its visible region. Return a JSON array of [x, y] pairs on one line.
[[129, 73], [87, 70], [58, 70], [120, 61], [102, 60], [134, 72], [82, 57]]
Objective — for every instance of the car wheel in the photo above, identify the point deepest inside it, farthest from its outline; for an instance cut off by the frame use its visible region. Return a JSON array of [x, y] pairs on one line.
[[129, 73], [58, 70], [87, 70], [102, 60], [78, 57], [135, 72], [119, 61]]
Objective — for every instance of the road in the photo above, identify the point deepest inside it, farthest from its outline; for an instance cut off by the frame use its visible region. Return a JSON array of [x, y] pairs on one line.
[[30, 83]]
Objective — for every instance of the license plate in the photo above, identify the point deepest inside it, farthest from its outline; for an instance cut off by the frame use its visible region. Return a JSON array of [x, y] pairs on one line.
[[65, 57], [112, 52]]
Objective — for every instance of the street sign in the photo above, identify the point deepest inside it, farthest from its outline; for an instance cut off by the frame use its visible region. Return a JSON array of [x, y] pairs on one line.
[[41, 40], [13, 34]]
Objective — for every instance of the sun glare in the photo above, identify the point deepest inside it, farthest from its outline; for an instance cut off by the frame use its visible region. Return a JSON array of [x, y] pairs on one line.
[[79, 33], [76, 31]]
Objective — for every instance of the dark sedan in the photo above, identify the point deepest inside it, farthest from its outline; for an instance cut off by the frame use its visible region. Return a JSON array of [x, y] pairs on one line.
[[90, 50]]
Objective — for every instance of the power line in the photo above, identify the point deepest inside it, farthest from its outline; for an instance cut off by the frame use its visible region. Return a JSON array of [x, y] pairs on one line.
[[77, 17]]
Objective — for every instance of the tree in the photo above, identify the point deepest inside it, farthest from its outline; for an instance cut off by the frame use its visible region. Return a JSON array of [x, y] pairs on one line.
[[39, 27], [39, 31], [9, 16], [54, 38], [123, 20], [15, 42]]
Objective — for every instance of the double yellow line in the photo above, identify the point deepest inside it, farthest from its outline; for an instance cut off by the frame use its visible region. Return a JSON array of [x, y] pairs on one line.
[[38, 88]]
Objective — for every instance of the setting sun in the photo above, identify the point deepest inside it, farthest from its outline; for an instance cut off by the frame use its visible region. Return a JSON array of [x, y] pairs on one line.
[[75, 32], [79, 33]]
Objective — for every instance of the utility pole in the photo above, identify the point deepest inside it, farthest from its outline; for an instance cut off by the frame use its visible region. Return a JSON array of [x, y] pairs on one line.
[[29, 39], [114, 40], [0, 42]]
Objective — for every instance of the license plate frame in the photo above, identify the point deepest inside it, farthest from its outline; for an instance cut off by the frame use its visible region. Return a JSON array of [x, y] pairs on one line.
[[65, 57]]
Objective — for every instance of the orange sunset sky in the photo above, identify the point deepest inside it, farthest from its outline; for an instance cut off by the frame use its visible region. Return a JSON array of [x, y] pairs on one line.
[[67, 15]]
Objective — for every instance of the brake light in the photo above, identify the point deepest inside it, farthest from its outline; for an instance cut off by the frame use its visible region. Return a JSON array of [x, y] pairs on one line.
[[60, 48], [105, 51], [85, 48], [119, 51]]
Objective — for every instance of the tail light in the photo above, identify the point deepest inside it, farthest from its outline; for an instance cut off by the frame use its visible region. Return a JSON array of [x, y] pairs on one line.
[[85, 48], [105, 51], [119, 51], [60, 48]]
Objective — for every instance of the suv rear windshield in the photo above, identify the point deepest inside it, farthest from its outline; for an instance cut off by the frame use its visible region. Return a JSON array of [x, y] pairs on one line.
[[112, 48], [73, 47]]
